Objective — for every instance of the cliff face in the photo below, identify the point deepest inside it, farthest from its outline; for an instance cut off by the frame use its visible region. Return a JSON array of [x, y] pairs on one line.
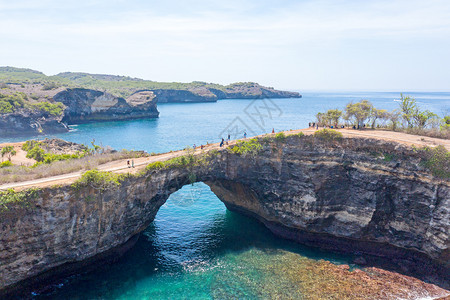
[[210, 94], [179, 96], [335, 195], [84, 105], [27, 123]]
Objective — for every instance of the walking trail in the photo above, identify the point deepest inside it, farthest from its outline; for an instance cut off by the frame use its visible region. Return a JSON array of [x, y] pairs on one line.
[[120, 166]]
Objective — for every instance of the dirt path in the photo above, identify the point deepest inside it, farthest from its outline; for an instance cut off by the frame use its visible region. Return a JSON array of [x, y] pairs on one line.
[[120, 166]]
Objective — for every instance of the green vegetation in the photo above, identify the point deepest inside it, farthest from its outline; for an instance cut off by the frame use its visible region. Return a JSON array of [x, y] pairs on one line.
[[328, 135], [99, 180], [11, 197], [121, 86], [12, 103], [50, 109], [408, 117], [330, 118], [34, 151], [437, 160], [8, 151], [250, 147], [6, 164], [280, 137], [359, 111], [50, 86]]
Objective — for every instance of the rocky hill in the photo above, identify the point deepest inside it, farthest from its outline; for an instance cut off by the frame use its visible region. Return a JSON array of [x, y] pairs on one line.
[[124, 86], [83, 97]]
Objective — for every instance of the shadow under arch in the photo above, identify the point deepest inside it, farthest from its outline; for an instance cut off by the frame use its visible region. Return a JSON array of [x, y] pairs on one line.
[[162, 253]]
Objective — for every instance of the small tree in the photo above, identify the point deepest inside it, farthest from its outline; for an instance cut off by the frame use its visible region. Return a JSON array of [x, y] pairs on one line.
[[9, 152], [394, 116], [408, 108], [360, 111], [378, 114], [333, 116], [445, 123], [422, 118], [36, 153], [320, 118]]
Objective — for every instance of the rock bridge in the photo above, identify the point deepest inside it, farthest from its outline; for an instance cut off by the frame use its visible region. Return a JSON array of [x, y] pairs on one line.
[[339, 195]]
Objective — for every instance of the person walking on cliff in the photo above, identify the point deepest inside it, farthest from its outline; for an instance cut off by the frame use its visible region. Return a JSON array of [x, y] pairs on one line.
[[245, 134], [132, 163], [128, 163], [221, 143]]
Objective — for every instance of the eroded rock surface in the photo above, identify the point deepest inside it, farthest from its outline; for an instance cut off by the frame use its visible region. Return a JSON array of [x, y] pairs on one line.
[[336, 195], [84, 105]]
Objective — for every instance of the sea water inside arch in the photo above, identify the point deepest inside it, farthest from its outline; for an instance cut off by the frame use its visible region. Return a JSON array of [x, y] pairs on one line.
[[195, 248]]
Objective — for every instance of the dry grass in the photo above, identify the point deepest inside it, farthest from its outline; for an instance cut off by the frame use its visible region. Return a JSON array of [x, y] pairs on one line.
[[434, 133], [21, 173]]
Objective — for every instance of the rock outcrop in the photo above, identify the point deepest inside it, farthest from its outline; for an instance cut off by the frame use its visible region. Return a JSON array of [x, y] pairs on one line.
[[210, 94], [338, 195], [27, 122], [179, 96], [84, 105]]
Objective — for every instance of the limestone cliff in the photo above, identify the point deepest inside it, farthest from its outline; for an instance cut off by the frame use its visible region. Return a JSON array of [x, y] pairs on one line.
[[84, 105], [27, 122], [212, 94], [342, 195]]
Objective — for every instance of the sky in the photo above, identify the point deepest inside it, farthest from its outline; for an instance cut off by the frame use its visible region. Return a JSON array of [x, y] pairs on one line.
[[385, 45]]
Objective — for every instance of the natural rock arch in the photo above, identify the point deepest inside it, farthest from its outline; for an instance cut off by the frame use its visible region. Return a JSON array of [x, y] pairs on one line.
[[334, 195]]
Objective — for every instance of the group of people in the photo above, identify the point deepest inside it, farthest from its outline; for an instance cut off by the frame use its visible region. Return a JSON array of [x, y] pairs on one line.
[[223, 142], [130, 165], [316, 125]]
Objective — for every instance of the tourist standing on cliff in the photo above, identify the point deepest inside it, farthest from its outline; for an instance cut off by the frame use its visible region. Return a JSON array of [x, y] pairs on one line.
[[221, 143], [132, 163], [229, 137], [273, 130], [128, 163], [245, 134]]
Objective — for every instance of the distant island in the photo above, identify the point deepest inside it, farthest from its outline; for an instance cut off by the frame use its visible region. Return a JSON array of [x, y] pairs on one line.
[[32, 102]]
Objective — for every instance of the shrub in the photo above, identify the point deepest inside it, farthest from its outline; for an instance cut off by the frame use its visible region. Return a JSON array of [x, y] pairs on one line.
[[280, 137], [328, 135], [99, 180], [437, 160], [10, 196], [155, 166], [50, 86], [6, 164], [51, 109], [36, 153], [300, 134], [11, 103], [252, 146]]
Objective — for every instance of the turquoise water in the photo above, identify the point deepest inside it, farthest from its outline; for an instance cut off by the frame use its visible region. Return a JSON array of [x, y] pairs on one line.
[[195, 248]]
